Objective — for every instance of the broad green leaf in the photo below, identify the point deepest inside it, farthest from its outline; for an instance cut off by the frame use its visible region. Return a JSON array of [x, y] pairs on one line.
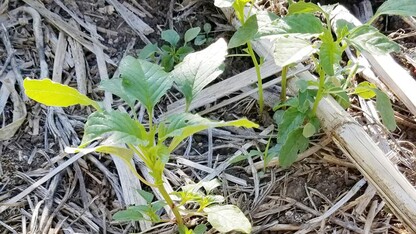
[[292, 119], [397, 7], [278, 116], [383, 105], [308, 130], [170, 36], [329, 55], [115, 87], [181, 126], [223, 3], [167, 62], [367, 38], [288, 50], [200, 68], [228, 218], [191, 33], [50, 93], [200, 229], [116, 126], [303, 26], [245, 33], [148, 197], [365, 90], [183, 51], [148, 51], [304, 7], [145, 81], [128, 215], [296, 143]]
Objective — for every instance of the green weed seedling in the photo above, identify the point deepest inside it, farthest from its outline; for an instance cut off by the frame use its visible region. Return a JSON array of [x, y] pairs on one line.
[[204, 37], [147, 83], [301, 35], [171, 53]]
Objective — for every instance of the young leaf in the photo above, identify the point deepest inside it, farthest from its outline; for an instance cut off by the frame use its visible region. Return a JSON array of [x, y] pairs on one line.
[[191, 33], [304, 7], [329, 55], [397, 7], [170, 36], [199, 69], [200, 229], [181, 126], [183, 51], [245, 33], [115, 87], [292, 119], [288, 50], [51, 93], [146, 195], [383, 105], [116, 126], [238, 6], [365, 90], [367, 38], [295, 144], [228, 218], [128, 215], [207, 27], [308, 130], [145, 81], [148, 51]]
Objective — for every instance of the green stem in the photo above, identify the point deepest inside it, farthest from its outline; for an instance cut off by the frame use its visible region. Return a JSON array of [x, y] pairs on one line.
[[259, 80], [350, 76], [170, 203], [320, 93], [283, 84]]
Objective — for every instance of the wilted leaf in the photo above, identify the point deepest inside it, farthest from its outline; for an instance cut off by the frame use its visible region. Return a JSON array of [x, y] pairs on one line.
[[228, 218]]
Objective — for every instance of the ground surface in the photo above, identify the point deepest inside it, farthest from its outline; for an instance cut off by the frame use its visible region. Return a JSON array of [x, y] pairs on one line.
[[84, 195]]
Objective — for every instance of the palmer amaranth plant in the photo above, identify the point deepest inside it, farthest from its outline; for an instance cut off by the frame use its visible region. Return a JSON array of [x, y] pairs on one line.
[[147, 82]]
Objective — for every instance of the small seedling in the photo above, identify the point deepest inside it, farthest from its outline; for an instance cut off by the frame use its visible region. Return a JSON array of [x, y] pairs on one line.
[[171, 53], [203, 37], [147, 83]]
